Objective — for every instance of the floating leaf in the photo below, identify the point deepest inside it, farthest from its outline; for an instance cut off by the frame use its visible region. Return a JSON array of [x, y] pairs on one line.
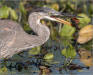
[[53, 33], [69, 52], [4, 12], [67, 31], [49, 56], [85, 34], [44, 70], [3, 69], [21, 6], [87, 45], [26, 27], [55, 6], [13, 14], [35, 51], [66, 41], [83, 21], [90, 10], [86, 57], [48, 1]]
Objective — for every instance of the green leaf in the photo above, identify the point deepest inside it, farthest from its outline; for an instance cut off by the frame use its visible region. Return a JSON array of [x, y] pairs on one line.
[[3, 69], [4, 12], [88, 45], [83, 21], [53, 33], [55, 6], [69, 52], [64, 52], [49, 56], [21, 6], [66, 41], [67, 31], [34, 51], [13, 14], [26, 27]]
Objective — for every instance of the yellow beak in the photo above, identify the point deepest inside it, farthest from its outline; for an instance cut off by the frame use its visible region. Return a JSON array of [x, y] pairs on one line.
[[62, 21]]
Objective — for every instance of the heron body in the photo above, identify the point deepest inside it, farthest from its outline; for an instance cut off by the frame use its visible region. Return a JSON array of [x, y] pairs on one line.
[[13, 39]]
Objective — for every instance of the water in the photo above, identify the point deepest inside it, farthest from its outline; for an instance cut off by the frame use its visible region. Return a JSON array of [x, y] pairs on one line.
[[55, 47]]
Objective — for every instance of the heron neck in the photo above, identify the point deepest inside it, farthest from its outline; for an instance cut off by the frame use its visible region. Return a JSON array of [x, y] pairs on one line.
[[30, 41], [42, 31]]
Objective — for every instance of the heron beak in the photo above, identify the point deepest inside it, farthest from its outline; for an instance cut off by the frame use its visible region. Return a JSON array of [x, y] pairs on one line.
[[53, 18], [61, 21]]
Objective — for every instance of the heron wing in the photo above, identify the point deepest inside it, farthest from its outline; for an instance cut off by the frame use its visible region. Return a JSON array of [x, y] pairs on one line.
[[6, 39]]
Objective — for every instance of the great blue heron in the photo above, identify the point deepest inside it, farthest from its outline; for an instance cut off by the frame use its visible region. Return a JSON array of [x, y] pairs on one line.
[[13, 39]]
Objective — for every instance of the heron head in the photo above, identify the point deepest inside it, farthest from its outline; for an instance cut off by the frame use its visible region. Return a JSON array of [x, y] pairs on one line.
[[47, 10], [51, 11], [48, 13]]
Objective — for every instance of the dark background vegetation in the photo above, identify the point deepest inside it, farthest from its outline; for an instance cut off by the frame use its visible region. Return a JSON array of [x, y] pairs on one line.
[[60, 54]]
